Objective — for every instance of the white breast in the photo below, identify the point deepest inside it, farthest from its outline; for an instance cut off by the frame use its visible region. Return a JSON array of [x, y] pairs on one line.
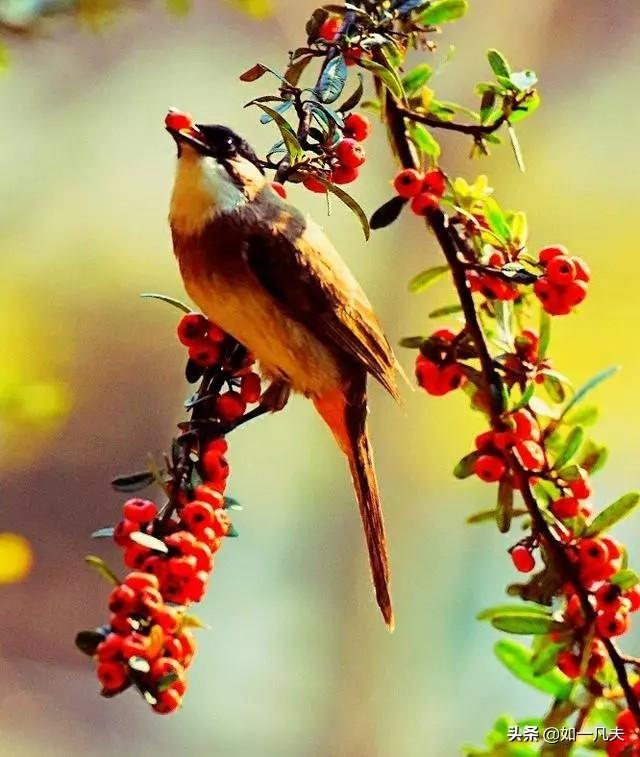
[[201, 190]]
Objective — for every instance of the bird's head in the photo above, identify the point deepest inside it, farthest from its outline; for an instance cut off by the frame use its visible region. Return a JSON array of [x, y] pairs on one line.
[[217, 171]]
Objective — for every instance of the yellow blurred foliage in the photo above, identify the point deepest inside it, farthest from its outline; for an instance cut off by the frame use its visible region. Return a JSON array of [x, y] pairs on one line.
[[255, 8], [16, 558]]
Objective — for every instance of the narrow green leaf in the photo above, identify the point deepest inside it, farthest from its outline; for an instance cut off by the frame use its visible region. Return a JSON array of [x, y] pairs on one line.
[[294, 148], [386, 214], [526, 108], [103, 533], [523, 608], [170, 300], [517, 659], [132, 482], [424, 280], [589, 386], [415, 80], [545, 660], [424, 140], [544, 336], [446, 310], [625, 578], [99, 565], [517, 150], [388, 76], [151, 542], [412, 342], [571, 446], [586, 415], [498, 63], [593, 456], [350, 203], [353, 100], [524, 624], [496, 219], [464, 468], [443, 11], [504, 509], [333, 79], [614, 513], [87, 641]]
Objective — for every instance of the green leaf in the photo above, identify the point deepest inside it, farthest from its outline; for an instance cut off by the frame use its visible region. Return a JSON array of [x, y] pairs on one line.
[[498, 63], [504, 509], [87, 641], [139, 664], [103, 533], [525, 624], [571, 446], [545, 660], [464, 468], [526, 108], [496, 219], [446, 310], [350, 203], [294, 148], [515, 145], [625, 578], [167, 681], [100, 566], [415, 80], [412, 342], [544, 336], [590, 385], [388, 76], [518, 660], [333, 79], [554, 388], [170, 300], [133, 482], [443, 11], [424, 140], [424, 280], [586, 415], [519, 228], [352, 101], [256, 72], [522, 608], [387, 213], [593, 456], [178, 7], [614, 513], [151, 542]]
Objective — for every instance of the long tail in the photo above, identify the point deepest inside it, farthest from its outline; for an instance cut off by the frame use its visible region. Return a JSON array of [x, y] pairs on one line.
[[345, 412]]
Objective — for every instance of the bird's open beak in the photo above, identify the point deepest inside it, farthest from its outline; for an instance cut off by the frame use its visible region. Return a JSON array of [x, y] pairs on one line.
[[190, 136]]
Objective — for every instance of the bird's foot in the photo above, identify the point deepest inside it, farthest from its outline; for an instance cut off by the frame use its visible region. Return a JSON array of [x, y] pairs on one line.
[[275, 396]]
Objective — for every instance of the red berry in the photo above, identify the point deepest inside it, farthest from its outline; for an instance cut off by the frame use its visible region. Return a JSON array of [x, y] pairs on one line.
[[344, 175], [428, 376], [139, 581], [112, 675], [357, 126], [123, 600], [215, 334], [330, 29], [548, 253], [123, 531], [569, 664], [408, 183], [531, 455], [167, 619], [424, 202], [583, 272], [561, 270], [565, 507], [250, 386], [181, 541], [452, 377], [444, 335], [523, 559], [139, 510], [164, 666], [205, 493], [197, 586], [434, 182], [350, 153], [192, 328], [576, 292], [484, 440], [611, 624], [198, 515], [633, 595], [580, 487], [204, 353], [489, 468], [178, 120], [526, 426], [135, 645], [203, 555], [353, 55], [221, 523], [313, 185], [609, 599], [593, 553], [279, 189], [214, 466], [183, 567], [135, 555], [168, 701], [230, 406], [109, 649]]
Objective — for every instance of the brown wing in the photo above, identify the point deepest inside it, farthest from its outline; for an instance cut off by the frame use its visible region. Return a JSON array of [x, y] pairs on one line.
[[325, 296]]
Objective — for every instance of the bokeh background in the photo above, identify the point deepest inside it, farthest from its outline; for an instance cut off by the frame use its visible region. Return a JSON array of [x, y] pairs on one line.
[[297, 661]]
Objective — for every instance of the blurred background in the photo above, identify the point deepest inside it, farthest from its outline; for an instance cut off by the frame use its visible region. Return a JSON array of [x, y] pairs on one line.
[[298, 661]]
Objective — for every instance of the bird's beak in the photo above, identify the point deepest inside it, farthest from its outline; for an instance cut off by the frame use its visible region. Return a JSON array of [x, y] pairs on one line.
[[191, 136]]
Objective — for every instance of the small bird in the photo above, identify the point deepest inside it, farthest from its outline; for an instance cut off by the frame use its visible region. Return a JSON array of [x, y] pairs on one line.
[[269, 276]]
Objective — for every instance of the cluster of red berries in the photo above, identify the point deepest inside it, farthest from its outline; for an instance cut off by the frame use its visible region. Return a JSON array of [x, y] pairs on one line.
[[145, 639], [347, 155], [205, 342], [520, 435], [524, 362], [330, 31], [439, 373], [425, 190], [628, 745], [564, 283], [490, 285]]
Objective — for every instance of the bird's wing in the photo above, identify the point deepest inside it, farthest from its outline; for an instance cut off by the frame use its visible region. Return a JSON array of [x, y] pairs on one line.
[[299, 267]]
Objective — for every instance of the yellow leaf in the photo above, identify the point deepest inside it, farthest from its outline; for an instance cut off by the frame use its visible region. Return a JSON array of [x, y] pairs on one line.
[[427, 98], [16, 558], [255, 8]]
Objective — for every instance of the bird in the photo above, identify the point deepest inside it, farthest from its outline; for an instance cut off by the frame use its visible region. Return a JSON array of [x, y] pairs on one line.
[[268, 275]]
